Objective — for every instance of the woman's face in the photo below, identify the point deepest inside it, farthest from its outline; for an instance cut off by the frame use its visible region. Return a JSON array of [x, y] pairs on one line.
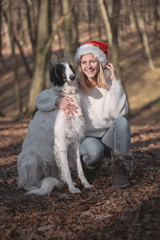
[[90, 66]]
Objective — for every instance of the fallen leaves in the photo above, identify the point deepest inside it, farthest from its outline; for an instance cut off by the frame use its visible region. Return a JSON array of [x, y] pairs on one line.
[[101, 212]]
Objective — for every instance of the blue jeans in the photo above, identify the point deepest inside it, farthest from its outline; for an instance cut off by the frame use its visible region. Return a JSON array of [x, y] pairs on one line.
[[117, 137]]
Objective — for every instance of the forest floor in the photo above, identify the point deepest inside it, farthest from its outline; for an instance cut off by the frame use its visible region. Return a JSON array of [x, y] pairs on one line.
[[101, 212]]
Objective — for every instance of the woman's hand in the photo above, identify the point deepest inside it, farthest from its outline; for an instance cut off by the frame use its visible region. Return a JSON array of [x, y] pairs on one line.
[[66, 105], [112, 70]]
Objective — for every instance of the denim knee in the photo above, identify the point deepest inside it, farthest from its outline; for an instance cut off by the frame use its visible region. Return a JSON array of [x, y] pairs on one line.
[[92, 151], [122, 123]]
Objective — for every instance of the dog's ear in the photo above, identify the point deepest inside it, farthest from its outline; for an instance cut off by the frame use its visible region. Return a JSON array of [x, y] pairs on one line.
[[54, 60]]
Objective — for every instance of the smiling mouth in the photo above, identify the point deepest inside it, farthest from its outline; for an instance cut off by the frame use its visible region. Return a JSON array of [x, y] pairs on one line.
[[90, 71]]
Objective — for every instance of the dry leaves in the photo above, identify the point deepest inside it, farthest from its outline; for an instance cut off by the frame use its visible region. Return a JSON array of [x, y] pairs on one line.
[[98, 213]]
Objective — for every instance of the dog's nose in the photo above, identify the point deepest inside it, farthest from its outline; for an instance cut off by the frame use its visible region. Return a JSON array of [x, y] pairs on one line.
[[72, 77]]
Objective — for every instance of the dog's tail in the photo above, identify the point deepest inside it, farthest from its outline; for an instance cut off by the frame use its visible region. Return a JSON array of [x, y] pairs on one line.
[[47, 186]]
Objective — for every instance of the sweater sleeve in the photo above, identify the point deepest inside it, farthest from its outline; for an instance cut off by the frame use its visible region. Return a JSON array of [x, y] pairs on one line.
[[118, 103], [45, 101]]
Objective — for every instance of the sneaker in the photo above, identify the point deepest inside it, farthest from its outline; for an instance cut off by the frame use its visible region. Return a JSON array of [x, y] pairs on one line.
[[122, 168]]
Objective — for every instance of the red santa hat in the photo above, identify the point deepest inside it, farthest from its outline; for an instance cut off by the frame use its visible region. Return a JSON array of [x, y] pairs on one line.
[[98, 49]]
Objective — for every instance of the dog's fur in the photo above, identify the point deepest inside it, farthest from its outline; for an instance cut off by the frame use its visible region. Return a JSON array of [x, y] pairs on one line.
[[51, 139]]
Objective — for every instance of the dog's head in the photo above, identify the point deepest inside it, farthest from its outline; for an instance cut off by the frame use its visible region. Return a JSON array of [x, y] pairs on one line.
[[61, 73]]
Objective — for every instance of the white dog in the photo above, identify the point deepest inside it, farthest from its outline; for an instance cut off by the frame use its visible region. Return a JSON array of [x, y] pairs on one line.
[[51, 139]]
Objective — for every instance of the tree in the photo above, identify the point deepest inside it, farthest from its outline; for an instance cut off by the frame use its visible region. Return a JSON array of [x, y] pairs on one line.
[[142, 33], [114, 27], [16, 80], [107, 24], [68, 28], [1, 56], [111, 26], [40, 56], [155, 23], [43, 45]]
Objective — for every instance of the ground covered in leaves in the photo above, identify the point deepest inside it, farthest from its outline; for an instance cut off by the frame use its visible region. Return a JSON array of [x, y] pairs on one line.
[[98, 213]]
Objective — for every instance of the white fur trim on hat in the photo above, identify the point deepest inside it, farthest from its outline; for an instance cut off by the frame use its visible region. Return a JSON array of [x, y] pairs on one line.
[[89, 48]]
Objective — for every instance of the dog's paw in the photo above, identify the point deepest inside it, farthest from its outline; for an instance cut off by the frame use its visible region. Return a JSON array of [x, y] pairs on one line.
[[87, 185], [74, 190]]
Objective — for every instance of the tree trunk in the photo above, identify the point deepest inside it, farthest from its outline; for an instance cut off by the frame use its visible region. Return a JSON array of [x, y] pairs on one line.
[[23, 58], [20, 49], [137, 25], [1, 56], [16, 80], [43, 45], [142, 32], [114, 27], [155, 24], [68, 28], [40, 57], [76, 22], [103, 11], [113, 31]]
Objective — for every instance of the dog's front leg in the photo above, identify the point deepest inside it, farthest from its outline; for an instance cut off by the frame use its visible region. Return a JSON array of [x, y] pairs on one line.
[[80, 171], [64, 167]]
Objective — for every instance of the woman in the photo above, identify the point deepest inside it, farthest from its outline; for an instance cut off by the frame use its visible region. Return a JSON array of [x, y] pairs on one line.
[[103, 105]]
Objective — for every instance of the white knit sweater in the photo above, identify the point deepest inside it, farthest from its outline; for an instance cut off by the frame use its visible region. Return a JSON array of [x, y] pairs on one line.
[[100, 106]]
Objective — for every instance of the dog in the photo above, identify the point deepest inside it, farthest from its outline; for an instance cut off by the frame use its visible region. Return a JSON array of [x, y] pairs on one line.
[[53, 140]]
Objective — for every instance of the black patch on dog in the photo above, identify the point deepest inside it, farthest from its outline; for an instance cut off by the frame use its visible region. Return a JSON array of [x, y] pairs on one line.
[[58, 74], [72, 68]]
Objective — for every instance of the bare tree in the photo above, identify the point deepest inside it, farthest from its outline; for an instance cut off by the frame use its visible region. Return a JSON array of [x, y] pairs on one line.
[[44, 41], [16, 80], [68, 28], [16, 41], [155, 23], [107, 24], [40, 56], [76, 24], [1, 56], [142, 33], [112, 26], [32, 8]]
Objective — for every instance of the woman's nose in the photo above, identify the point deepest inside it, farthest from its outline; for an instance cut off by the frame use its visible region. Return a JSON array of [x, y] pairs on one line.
[[88, 65]]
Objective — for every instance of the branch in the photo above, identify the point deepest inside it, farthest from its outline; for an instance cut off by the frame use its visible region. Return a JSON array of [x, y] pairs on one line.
[[59, 24]]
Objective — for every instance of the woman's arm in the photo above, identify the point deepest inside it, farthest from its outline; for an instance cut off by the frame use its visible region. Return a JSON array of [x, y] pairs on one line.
[[47, 101], [118, 103]]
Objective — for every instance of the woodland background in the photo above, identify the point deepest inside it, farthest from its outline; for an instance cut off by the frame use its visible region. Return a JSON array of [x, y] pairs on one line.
[[30, 30]]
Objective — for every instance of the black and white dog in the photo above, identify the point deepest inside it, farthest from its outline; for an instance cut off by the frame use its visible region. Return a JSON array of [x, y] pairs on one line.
[[51, 140]]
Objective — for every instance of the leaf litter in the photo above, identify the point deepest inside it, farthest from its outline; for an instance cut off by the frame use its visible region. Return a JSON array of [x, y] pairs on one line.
[[101, 212]]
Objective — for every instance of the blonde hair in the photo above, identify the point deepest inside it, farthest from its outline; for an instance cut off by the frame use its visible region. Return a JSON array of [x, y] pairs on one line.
[[85, 83]]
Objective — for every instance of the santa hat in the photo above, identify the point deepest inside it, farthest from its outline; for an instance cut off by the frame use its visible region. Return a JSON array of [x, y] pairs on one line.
[[98, 49]]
